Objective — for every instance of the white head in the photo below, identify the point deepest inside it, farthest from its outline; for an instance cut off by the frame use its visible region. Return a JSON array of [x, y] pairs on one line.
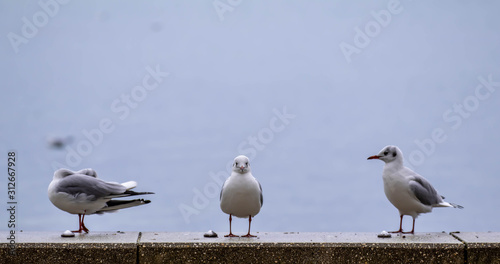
[[389, 154], [241, 164]]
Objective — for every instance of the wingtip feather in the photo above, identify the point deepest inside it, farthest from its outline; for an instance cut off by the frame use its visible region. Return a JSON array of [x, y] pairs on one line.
[[457, 206]]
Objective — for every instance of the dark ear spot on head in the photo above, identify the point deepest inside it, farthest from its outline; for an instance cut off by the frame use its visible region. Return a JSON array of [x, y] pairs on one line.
[[394, 154]]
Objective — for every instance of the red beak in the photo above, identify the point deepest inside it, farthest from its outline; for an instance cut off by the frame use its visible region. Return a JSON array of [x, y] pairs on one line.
[[373, 157]]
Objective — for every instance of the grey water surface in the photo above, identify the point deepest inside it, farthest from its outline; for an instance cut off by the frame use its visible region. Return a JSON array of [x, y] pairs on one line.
[[167, 93]]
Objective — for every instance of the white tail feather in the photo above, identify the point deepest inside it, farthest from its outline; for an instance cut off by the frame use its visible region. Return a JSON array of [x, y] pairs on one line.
[[447, 204], [130, 184]]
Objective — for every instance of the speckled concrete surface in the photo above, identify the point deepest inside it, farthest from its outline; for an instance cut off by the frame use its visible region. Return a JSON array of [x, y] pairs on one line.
[[292, 247], [50, 247], [482, 247], [268, 247]]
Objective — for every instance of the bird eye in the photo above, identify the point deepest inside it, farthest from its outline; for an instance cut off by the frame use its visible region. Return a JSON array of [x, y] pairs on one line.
[[236, 164], [394, 154], [246, 164], [386, 152]]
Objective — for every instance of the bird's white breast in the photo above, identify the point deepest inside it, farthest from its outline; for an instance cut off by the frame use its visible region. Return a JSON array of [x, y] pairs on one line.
[[241, 196], [397, 189]]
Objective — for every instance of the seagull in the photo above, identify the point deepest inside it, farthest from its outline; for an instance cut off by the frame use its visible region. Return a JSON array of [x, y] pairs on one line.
[[241, 194], [409, 192], [82, 193]]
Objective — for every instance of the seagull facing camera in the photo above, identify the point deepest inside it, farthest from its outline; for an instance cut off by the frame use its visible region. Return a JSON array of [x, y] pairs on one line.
[[241, 194]]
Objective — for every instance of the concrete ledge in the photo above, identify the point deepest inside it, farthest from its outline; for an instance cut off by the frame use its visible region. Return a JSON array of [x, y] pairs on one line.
[[301, 248], [50, 247], [273, 247], [481, 247]]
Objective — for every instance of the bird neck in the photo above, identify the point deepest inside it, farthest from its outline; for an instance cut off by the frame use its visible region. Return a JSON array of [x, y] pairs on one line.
[[239, 174], [394, 165]]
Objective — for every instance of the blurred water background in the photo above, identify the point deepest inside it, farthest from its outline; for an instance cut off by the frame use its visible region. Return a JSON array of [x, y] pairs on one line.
[[168, 93]]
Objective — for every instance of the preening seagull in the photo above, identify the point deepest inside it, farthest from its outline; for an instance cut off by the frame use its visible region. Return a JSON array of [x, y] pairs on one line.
[[241, 194], [409, 192], [82, 193]]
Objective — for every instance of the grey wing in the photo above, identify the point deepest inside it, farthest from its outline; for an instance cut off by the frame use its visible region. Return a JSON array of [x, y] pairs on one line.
[[82, 184], [222, 189], [261, 197], [424, 191]]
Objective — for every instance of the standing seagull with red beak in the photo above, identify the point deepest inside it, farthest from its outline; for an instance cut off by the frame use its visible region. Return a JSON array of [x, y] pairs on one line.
[[241, 194], [409, 192]]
